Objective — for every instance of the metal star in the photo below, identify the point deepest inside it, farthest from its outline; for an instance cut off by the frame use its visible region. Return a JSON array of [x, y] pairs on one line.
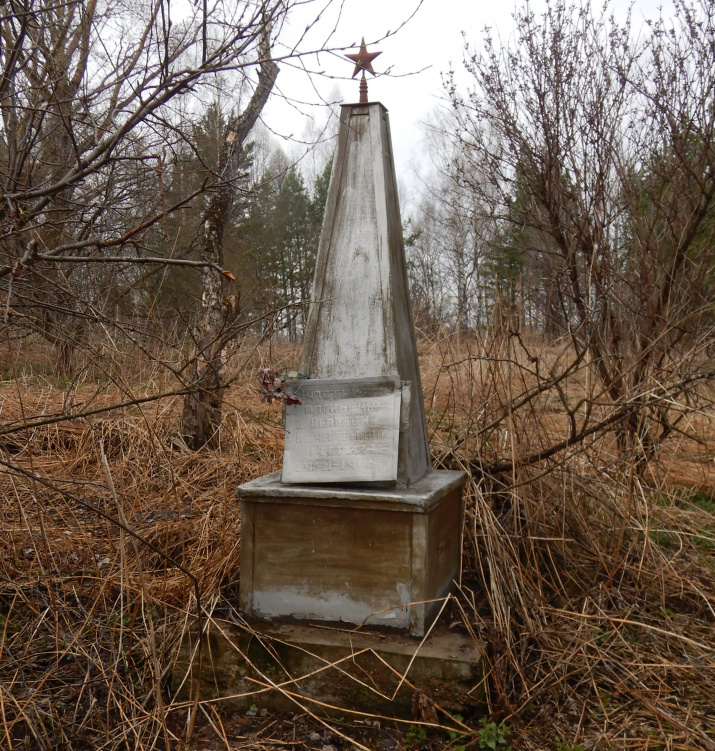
[[363, 59]]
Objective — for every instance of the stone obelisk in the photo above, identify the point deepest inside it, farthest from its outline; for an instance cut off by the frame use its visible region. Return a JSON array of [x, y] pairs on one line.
[[357, 527], [360, 323]]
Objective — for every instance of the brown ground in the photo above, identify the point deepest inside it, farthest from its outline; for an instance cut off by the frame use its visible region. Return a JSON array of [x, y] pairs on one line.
[[592, 587]]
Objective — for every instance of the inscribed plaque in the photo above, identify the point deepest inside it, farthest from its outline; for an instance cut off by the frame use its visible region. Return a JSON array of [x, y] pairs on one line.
[[345, 430]]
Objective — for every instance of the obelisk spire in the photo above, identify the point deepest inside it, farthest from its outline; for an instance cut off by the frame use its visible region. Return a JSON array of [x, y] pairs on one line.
[[360, 324]]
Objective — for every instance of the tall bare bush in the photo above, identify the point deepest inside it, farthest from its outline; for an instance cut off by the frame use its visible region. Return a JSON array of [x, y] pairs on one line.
[[593, 147]]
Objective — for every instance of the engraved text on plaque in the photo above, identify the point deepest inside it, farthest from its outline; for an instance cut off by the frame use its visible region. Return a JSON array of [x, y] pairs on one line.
[[345, 430]]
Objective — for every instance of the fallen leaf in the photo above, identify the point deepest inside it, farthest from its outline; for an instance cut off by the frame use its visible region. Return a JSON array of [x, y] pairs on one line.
[[423, 707]]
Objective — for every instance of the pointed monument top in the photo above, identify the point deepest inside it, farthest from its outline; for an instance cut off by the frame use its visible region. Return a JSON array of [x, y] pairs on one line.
[[363, 62], [359, 338]]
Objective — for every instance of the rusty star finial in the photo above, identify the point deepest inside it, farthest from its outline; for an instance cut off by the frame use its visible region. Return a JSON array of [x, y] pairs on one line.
[[363, 62], [363, 59]]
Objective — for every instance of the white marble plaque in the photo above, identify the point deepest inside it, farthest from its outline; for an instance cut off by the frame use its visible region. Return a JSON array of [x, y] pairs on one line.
[[345, 430]]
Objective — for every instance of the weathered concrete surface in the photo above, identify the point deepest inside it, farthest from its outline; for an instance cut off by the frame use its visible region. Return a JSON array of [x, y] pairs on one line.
[[335, 672], [428, 491], [351, 555], [360, 323]]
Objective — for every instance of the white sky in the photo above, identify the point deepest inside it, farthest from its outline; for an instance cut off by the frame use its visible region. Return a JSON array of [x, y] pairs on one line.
[[417, 56]]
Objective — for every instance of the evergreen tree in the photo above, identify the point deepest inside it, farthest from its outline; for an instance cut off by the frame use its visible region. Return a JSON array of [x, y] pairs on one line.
[[320, 195], [278, 233], [293, 256]]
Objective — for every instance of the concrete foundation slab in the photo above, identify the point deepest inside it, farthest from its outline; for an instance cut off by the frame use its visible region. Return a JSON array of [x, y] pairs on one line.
[[335, 672]]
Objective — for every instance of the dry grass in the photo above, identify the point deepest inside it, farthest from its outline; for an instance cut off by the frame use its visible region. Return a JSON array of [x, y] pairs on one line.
[[589, 583]]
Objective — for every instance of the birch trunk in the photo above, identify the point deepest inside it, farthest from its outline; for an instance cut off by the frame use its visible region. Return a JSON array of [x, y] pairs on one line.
[[201, 418]]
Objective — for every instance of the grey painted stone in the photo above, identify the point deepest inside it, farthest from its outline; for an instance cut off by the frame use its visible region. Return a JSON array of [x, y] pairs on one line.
[[382, 557], [423, 494], [334, 542], [360, 324]]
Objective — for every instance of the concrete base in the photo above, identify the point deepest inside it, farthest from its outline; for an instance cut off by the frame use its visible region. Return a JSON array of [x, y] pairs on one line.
[[332, 672], [351, 555]]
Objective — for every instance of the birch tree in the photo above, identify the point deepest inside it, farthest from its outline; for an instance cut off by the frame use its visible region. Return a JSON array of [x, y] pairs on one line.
[[215, 334]]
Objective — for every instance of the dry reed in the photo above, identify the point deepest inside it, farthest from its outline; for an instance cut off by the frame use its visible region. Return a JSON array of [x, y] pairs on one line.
[[588, 584]]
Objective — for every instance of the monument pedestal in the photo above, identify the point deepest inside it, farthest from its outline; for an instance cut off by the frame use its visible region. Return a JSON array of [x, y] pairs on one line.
[[358, 555]]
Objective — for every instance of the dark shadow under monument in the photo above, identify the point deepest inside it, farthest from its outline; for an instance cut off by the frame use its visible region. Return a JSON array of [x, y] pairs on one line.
[[357, 528]]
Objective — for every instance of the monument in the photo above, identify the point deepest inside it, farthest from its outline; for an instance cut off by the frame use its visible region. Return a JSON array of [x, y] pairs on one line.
[[357, 527]]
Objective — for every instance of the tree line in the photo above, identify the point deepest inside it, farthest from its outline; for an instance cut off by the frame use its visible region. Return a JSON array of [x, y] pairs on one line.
[[574, 196]]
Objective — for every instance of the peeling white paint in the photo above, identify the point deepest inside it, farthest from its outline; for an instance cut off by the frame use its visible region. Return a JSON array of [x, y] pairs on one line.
[[330, 606], [360, 323]]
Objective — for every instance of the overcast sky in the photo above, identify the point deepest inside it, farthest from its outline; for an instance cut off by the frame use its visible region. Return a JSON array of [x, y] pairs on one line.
[[416, 55]]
